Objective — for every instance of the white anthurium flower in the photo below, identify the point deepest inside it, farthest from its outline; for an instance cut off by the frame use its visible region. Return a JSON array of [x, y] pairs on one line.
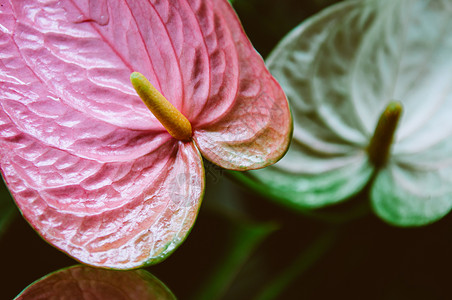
[[345, 69]]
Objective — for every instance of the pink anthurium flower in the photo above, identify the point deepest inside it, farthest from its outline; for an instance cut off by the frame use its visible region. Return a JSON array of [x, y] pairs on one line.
[[91, 168]]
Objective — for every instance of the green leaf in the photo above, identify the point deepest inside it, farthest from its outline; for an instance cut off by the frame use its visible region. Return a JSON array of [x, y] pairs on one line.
[[83, 282], [340, 69], [246, 237], [300, 265]]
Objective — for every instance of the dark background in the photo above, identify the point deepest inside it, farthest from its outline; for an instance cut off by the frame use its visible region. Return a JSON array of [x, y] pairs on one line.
[[368, 260]]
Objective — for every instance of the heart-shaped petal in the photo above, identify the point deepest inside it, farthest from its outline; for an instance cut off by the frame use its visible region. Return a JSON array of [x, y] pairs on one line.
[[108, 195], [416, 188], [82, 282], [326, 161], [405, 196], [305, 182], [244, 122], [194, 52], [340, 69], [90, 167], [113, 214]]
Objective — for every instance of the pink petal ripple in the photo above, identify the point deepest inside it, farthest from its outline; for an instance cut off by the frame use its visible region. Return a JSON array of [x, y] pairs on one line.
[[88, 164]]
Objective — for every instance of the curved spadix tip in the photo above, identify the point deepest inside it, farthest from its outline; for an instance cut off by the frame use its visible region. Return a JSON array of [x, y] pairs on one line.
[[394, 109], [380, 144], [172, 119]]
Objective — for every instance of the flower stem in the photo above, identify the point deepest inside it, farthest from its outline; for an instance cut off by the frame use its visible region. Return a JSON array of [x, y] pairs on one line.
[[302, 263], [380, 144], [246, 238]]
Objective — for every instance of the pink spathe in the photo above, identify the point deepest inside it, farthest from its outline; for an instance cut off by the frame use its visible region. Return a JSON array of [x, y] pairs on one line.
[[90, 167]]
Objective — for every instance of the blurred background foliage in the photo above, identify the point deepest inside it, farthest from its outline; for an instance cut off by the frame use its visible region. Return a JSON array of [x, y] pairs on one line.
[[246, 247]]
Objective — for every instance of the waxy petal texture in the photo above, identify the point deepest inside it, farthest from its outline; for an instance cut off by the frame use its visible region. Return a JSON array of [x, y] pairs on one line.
[[194, 52], [248, 124], [88, 165], [82, 282], [406, 196], [340, 69], [326, 161]]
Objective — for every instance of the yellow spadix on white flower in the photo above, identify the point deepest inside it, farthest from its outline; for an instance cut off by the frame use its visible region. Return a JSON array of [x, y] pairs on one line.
[[171, 118]]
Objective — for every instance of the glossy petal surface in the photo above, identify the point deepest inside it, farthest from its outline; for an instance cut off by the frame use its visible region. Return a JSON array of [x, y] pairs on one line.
[[86, 162], [303, 183], [245, 121], [85, 283], [194, 52], [326, 161], [339, 70], [406, 196], [416, 188]]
